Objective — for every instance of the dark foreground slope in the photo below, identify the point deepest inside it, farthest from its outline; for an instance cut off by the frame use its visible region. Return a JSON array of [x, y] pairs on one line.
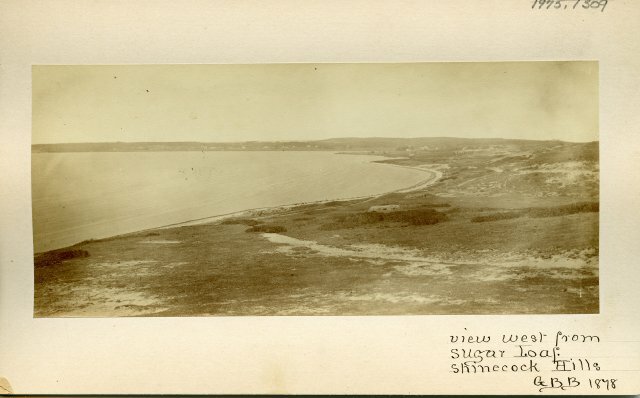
[[508, 227]]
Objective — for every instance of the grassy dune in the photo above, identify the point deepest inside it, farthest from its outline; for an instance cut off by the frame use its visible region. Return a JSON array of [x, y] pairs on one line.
[[511, 227]]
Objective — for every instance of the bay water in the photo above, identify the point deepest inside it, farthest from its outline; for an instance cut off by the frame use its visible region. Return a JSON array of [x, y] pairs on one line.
[[92, 195]]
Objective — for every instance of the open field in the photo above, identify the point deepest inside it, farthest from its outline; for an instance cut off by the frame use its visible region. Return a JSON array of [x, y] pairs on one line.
[[498, 227]]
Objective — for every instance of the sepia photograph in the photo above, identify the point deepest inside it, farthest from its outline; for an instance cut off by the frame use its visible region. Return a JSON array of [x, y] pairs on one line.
[[319, 197], [438, 188]]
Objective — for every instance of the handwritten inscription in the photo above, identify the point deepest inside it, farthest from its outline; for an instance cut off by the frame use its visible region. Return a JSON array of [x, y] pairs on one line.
[[552, 359], [570, 5]]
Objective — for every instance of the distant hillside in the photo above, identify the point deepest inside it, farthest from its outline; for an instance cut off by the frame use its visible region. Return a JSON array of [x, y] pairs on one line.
[[374, 144]]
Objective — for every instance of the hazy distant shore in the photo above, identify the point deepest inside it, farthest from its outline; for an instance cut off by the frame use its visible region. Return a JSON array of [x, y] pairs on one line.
[[334, 144]]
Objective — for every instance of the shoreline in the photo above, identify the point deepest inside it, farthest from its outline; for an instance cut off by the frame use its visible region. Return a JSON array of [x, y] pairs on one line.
[[281, 208], [435, 176]]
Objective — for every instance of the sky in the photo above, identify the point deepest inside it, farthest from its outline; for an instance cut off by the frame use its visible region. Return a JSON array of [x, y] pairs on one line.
[[278, 102]]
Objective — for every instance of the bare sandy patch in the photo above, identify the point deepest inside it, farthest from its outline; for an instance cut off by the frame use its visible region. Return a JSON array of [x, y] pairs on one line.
[[565, 173], [92, 300], [161, 242], [493, 266]]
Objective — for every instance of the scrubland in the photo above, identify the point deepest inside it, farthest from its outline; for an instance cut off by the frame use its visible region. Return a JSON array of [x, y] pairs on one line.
[[505, 228]]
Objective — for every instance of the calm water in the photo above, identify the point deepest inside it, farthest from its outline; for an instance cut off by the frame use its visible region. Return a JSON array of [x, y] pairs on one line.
[[78, 196]]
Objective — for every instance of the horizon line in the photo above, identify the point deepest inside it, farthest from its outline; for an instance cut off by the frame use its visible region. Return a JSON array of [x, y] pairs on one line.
[[309, 140]]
